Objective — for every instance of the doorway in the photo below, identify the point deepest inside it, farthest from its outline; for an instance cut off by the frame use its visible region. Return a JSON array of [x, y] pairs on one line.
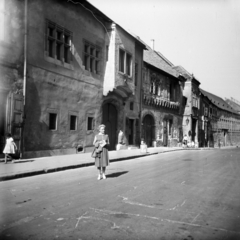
[[130, 131], [109, 119], [165, 133], [148, 130]]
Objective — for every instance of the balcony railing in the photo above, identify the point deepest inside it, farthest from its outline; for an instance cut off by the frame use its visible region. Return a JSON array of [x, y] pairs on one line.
[[159, 102]]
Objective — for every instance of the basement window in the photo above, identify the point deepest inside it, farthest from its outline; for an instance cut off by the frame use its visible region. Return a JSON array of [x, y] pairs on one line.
[[52, 121], [90, 123], [73, 123]]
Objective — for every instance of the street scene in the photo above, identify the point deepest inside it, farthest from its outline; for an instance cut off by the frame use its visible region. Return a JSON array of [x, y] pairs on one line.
[[119, 119], [174, 195]]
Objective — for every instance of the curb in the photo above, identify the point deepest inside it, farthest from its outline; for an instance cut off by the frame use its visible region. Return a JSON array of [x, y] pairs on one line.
[[58, 169]]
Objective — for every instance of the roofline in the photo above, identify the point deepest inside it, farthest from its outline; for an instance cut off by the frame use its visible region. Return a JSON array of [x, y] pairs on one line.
[[86, 4], [159, 69]]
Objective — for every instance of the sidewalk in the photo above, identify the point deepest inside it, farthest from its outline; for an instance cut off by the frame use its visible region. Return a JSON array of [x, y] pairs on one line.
[[35, 166]]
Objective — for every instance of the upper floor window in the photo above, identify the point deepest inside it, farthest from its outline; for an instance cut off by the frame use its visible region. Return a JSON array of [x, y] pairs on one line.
[[125, 62], [91, 57], [195, 101], [136, 74], [59, 42], [172, 91], [2, 19]]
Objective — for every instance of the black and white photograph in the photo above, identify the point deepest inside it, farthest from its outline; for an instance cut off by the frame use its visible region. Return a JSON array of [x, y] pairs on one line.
[[120, 119]]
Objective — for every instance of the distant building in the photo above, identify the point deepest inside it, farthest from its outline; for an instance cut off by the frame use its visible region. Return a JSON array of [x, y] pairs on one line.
[[191, 95], [224, 121], [235, 104]]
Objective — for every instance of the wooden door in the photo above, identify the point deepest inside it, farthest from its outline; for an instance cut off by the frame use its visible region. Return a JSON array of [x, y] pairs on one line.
[[165, 133], [15, 117], [148, 130], [110, 120]]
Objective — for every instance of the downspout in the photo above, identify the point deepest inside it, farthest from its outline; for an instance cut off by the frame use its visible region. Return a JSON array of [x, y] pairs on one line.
[[24, 76], [25, 53], [141, 99]]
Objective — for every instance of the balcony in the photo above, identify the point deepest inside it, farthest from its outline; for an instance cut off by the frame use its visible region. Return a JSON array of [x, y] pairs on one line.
[[160, 102]]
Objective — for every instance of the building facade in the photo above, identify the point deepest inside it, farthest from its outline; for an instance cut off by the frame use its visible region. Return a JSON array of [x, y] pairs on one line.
[[63, 76], [223, 121], [162, 101], [191, 106]]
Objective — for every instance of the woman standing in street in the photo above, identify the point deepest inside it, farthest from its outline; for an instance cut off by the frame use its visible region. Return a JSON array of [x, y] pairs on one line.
[[101, 142]]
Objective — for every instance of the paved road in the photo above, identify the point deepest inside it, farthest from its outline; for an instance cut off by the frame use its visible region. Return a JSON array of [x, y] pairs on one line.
[[179, 195]]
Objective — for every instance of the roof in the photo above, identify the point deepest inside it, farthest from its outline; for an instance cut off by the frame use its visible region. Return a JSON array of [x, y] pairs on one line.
[[186, 74], [157, 60], [217, 101], [234, 104], [99, 14]]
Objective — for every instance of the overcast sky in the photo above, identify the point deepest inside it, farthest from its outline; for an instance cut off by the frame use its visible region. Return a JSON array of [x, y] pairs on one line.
[[203, 36]]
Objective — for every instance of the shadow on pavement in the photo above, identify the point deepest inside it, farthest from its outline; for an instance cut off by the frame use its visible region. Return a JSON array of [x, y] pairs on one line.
[[117, 174]]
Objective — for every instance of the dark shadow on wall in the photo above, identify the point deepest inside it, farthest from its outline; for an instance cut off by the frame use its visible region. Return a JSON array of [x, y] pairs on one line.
[[37, 136]]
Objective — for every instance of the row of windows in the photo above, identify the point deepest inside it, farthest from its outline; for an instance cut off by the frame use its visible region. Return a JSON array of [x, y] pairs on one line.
[[73, 122], [59, 41], [59, 44], [156, 90]]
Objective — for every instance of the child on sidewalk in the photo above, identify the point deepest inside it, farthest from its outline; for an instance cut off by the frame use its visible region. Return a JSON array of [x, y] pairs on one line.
[[10, 147]]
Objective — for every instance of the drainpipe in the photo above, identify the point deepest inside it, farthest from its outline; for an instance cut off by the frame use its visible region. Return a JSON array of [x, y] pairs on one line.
[[24, 76]]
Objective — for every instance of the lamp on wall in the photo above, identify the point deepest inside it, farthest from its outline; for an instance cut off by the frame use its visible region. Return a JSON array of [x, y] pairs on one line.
[[187, 121]]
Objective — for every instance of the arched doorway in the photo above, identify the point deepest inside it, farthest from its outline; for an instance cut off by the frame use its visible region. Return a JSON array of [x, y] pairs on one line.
[[148, 130], [110, 116]]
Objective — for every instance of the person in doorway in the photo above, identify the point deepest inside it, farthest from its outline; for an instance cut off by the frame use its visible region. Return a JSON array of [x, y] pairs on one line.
[[185, 140], [101, 143], [10, 148], [121, 141]]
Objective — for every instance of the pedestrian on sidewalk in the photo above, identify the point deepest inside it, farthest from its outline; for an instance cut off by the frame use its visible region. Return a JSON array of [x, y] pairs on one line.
[[101, 143], [10, 148], [121, 141]]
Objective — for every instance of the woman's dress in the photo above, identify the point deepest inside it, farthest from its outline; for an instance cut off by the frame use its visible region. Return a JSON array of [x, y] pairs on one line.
[[102, 159], [9, 147]]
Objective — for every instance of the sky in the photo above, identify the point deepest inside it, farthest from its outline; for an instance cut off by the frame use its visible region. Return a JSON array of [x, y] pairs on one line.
[[203, 36]]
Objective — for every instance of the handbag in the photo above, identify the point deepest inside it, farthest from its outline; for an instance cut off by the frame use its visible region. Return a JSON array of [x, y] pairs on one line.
[[94, 154]]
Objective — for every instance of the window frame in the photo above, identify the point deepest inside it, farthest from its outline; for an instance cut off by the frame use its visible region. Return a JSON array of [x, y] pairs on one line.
[[92, 57], [125, 62], [70, 122], [57, 40], [49, 121]]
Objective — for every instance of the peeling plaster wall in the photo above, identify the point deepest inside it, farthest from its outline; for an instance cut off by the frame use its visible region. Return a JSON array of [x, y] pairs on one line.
[[159, 117], [160, 113], [52, 87], [11, 56], [127, 43]]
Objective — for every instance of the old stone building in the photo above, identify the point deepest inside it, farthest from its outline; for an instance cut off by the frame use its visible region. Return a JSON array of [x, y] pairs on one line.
[[224, 122], [207, 120], [191, 104], [162, 101], [65, 73]]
